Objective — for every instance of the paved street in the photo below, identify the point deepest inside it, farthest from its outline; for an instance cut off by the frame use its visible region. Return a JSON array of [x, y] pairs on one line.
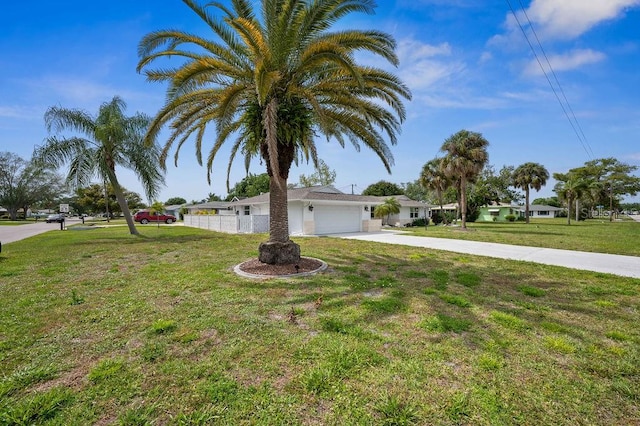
[[11, 233]]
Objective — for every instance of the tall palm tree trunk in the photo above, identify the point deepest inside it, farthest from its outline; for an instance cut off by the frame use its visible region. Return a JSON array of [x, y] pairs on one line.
[[569, 202], [463, 202], [526, 205], [278, 219], [122, 202], [279, 250], [442, 216]]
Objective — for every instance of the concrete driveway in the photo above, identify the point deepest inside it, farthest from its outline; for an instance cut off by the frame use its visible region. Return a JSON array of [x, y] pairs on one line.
[[626, 266]]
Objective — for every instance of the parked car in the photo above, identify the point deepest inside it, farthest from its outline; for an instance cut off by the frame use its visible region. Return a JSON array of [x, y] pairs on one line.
[[57, 217], [146, 217]]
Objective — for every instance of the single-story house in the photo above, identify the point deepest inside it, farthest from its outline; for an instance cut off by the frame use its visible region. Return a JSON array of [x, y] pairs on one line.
[[540, 211], [319, 210], [173, 209], [496, 212], [212, 207], [451, 208], [410, 210]]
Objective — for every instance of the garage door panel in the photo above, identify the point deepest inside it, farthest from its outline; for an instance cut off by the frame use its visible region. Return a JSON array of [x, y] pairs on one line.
[[337, 219]]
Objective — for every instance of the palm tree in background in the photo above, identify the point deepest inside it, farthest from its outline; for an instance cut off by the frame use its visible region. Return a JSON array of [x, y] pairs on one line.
[[569, 188], [529, 176], [434, 178], [269, 83], [389, 207], [110, 139], [466, 156]]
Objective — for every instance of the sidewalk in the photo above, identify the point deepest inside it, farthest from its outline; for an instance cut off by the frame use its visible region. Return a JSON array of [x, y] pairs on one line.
[[626, 266]]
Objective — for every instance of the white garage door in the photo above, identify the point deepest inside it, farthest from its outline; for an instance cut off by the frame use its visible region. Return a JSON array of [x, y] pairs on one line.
[[337, 219]]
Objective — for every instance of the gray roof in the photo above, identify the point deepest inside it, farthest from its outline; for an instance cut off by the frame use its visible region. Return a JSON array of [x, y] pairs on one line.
[[329, 193], [210, 205], [404, 201], [173, 206]]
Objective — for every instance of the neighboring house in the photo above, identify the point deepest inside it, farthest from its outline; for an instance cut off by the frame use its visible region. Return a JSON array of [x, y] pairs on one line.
[[540, 211], [410, 210], [496, 212], [212, 207], [173, 209], [317, 210], [451, 208]]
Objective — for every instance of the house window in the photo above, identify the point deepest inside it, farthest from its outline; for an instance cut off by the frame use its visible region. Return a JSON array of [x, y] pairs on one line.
[[247, 210], [414, 212], [494, 213], [543, 213], [373, 208]]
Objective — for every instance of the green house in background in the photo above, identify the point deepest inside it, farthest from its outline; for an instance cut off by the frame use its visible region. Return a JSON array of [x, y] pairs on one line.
[[496, 213]]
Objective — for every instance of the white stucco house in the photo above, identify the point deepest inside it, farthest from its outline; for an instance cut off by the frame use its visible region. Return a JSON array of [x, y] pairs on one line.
[[317, 210], [540, 211]]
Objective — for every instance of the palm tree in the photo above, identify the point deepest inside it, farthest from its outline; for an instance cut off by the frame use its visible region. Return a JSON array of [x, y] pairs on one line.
[[529, 176], [110, 139], [433, 177], [389, 207], [466, 155], [270, 83], [569, 188]]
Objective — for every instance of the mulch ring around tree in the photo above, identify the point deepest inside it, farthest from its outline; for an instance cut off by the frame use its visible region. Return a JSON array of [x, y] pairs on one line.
[[253, 268]]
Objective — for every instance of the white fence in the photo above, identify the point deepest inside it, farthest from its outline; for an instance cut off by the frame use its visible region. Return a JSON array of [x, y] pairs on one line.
[[232, 224]]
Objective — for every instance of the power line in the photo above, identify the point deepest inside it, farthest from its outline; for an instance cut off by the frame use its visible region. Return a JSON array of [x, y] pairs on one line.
[[574, 123], [575, 119]]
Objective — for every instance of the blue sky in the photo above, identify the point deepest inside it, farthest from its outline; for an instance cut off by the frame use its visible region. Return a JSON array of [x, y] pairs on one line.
[[467, 63]]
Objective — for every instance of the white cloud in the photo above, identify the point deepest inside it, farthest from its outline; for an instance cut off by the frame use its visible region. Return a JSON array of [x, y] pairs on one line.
[[423, 65], [568, 19], [412, 50], [565, 62]]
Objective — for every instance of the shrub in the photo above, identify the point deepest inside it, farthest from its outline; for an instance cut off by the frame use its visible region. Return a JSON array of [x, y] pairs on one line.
[[510, 218], [452, 217], [421, 221], [436, 217]]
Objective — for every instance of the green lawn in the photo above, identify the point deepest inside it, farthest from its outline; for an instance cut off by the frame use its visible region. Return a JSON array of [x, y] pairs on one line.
[[592, 235], [99, 327]]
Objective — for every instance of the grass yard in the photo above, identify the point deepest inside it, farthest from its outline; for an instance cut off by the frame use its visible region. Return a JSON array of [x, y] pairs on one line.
[[98, 327], [594, 235]]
